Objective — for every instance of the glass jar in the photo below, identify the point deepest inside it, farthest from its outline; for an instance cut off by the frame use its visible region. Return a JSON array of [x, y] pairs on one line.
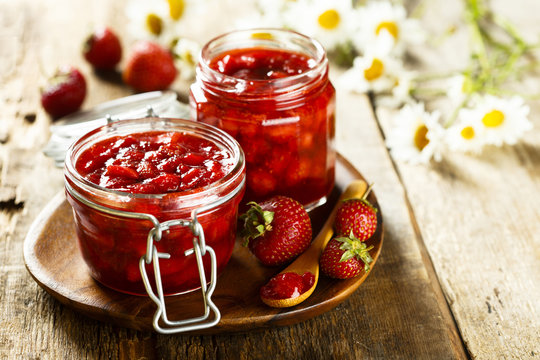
[[270, 90], [117, 230]]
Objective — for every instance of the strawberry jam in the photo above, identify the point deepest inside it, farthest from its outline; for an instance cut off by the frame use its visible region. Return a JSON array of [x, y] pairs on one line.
[[154, 162], [162, 168], [288, 285], [270, 91]]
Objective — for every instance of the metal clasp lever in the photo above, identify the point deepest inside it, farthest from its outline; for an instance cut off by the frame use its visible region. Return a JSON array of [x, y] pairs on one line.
[[200, 249]]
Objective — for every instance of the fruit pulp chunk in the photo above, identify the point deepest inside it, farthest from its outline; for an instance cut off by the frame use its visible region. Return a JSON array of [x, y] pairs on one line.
[[288, 148], [154, 162], [288, 285], [261, 64], [112, 245]]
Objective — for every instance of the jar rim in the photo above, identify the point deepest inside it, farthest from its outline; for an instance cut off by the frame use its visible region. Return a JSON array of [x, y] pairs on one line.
[[206, 131], [261, 37]]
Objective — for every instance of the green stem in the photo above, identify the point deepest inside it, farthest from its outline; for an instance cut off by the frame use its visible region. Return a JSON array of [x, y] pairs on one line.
[[474, 15]]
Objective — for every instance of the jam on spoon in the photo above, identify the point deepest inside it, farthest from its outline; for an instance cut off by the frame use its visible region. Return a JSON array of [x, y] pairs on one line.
[[287, 285]]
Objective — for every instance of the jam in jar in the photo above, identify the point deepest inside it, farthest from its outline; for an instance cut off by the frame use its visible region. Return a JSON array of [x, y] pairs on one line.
[[270, 90], [160, 167]]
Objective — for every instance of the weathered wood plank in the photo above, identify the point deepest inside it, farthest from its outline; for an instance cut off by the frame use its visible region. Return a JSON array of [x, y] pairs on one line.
[[479, 218]]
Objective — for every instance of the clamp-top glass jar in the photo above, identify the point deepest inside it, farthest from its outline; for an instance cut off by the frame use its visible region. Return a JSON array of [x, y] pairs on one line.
[[155, 188], [270, 90]]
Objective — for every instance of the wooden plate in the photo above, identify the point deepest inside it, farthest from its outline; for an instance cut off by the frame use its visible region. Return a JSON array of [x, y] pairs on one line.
[[52, 257]]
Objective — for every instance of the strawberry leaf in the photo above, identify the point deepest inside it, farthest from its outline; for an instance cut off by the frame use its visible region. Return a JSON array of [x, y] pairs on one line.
[[256, 222], [355, 248], [346, 256]]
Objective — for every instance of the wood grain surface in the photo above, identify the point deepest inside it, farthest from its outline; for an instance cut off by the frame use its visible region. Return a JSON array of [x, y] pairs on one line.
[[457, 278]]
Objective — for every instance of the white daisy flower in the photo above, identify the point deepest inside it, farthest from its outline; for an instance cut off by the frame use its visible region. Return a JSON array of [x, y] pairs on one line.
[[466, 134], [186, 54], [330, 22], [164, 20], [381, 20], [264, 19], [416, 136], [401, 93], [503, 121], [459, 88], [372, 73], [146, 19], [270, 13]]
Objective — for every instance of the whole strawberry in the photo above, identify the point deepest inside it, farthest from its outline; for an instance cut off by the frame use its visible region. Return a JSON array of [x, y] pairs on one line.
[[64, 93], [345, 257], [357, 216], [150, 67], [276, 230], [102, 49]]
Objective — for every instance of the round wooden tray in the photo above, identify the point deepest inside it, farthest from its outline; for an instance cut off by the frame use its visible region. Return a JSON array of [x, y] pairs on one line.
[[52, 257]]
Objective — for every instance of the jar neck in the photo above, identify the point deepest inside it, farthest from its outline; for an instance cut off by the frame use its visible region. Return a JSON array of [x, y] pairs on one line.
[[286, 88]]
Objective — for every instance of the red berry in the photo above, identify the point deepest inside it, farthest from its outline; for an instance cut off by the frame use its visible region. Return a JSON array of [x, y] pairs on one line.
[[345, 257], [357, 216], [150, 67], [64, 93], [102, 49], [276, 230]]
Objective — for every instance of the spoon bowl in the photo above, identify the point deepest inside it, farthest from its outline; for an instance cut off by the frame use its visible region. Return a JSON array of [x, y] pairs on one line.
[[308, 261]]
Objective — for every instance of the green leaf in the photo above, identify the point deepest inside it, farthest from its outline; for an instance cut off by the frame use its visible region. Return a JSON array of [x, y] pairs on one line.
[[268, 217], [256, 222], [260, 229], [347, 255]]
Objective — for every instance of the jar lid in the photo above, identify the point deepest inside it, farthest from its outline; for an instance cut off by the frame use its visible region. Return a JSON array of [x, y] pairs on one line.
[[69, 128]]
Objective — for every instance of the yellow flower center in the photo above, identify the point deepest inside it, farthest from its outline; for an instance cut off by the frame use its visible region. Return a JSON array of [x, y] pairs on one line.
[[493, 118], [467, 132], [262, 36], [188, 57], [389, 26], [154, 24], [420, 139], [374, 71], [329, 19], [176, 8]]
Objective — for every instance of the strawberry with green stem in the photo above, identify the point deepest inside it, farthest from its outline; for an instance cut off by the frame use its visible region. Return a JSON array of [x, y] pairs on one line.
[[64, 92], [356, 216], [345, 257], [276, 230]]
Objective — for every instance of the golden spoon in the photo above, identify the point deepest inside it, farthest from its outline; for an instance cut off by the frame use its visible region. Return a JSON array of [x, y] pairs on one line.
[[308, 261]]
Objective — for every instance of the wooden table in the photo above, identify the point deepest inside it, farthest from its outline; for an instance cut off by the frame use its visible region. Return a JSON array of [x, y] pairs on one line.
[[459, 274]]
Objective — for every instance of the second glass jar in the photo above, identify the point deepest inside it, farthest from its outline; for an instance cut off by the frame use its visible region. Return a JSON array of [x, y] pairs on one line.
[[270, 90]]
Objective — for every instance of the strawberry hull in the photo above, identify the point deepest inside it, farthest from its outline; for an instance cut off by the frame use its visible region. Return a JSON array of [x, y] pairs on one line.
[[274, 97]]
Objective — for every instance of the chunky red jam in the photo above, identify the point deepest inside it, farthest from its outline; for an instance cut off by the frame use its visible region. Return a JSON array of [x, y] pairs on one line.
[[168, 164], [288, 285], [261, 64], [154, 162], [280, 108]]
